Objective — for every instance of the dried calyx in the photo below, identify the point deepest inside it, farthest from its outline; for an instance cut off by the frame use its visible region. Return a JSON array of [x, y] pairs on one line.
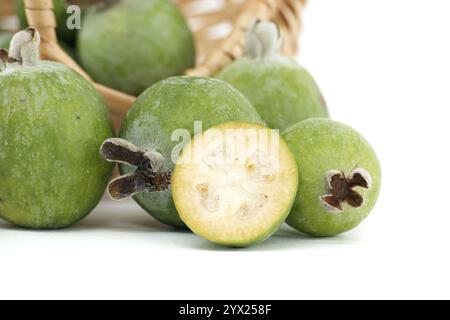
[[340, 188], [24, 49], [150, 174], [263, 41]]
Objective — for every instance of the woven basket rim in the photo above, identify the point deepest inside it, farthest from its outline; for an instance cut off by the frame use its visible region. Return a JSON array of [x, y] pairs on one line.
[[287, 13]]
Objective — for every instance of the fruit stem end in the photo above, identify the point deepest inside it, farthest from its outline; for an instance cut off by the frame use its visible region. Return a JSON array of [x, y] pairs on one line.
[[24, 48], [150, 174], [263, 41]]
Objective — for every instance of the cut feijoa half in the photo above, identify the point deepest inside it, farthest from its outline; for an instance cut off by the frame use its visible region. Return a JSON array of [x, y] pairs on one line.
[[235, 183]]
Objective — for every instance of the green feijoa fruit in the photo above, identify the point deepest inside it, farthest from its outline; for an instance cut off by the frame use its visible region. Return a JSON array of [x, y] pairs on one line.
[[282, 91], [162, 120], [129, 45], [339, 177], [60, 11], [5, 38], [52, 123], [235, 183]]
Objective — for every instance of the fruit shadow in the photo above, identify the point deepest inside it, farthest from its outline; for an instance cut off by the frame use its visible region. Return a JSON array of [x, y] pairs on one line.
[[284, 239], [128, 217], [124, 216], [109, 216]]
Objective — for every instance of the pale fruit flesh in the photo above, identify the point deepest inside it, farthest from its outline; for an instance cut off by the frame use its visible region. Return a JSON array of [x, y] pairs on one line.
[[172, 104], [235, 198]]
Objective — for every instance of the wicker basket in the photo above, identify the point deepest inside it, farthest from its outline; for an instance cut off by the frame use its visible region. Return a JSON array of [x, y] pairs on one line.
[[214, 52], [6, 8]]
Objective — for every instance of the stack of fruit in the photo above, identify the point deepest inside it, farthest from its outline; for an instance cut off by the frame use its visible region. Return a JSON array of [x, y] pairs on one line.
[[234, 183]]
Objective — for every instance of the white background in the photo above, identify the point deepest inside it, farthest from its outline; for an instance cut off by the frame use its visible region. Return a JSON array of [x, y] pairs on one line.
[[384, 66]]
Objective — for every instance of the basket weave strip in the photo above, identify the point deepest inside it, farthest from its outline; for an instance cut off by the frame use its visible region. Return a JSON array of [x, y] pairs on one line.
[[217, 53], [6, 8]]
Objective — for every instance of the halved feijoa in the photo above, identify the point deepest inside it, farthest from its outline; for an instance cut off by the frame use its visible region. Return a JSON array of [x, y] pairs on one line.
[[235, 183]]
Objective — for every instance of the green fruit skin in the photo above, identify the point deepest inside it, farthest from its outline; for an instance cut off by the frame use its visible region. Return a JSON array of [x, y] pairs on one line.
[[5, 39], [283, 92], [59, 8], [321, 145], [52, 123], [133, 44], [175, 103]]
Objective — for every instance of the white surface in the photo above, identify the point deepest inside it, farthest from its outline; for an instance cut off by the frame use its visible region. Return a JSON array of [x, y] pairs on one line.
[[384, 68]]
